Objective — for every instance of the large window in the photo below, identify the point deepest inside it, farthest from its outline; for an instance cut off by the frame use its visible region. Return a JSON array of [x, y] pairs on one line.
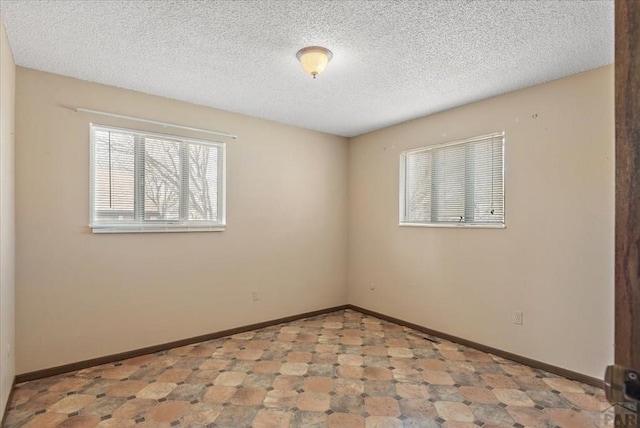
[[454, 184], [143, 182]]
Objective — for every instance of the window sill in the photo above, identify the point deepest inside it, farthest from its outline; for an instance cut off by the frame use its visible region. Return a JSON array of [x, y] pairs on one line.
[[455, 225], [156, 229]]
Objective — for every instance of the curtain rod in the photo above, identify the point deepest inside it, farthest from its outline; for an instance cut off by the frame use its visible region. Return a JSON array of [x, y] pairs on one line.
[[154, 122]]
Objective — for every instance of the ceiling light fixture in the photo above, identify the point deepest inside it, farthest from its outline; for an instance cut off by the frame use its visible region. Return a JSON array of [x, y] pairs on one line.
[[314, 59]]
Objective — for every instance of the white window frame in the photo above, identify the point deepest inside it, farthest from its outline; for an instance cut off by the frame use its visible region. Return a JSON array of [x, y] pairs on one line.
[[156, 226], [402, 184]]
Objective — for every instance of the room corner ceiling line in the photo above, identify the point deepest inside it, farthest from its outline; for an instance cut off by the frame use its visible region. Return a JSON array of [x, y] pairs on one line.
[[154, 122]]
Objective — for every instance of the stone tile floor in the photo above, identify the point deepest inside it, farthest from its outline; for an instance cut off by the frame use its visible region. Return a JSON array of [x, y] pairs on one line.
[[343, 369]]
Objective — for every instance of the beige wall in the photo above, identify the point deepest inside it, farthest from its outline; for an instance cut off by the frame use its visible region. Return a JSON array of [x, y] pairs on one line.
[[7, 218], [554, 260], [84, 295]]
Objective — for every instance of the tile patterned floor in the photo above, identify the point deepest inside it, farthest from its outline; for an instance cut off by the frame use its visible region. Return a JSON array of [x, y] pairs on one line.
[[343, 369]]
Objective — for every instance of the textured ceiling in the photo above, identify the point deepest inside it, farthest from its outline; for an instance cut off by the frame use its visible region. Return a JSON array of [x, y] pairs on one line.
[[393, 60]]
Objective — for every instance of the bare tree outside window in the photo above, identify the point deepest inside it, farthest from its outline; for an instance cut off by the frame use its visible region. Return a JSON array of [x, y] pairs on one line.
[[161, 180], [203, 178]]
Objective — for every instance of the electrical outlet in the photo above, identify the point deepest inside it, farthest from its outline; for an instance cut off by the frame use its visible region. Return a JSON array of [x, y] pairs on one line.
[[517, 317], [254, 296]]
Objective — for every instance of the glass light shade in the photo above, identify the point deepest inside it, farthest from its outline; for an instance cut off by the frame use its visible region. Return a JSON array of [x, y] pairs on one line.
[[314, 59]]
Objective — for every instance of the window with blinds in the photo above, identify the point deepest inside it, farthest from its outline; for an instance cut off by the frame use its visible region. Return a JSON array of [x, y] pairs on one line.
[[454, 184], [144, 182]]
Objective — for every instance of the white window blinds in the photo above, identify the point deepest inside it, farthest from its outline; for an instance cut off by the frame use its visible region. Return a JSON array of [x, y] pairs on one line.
[[459, 183], [152, 182]]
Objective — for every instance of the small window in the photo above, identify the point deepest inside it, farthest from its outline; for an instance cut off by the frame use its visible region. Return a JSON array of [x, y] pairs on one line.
[[143, 182], [454, 184]]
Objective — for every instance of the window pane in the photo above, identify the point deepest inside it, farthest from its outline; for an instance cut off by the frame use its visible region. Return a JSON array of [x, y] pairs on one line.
[[203, 182], [161, 180], [418, 188], [449, 177], [113, 176], [488, 189]]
